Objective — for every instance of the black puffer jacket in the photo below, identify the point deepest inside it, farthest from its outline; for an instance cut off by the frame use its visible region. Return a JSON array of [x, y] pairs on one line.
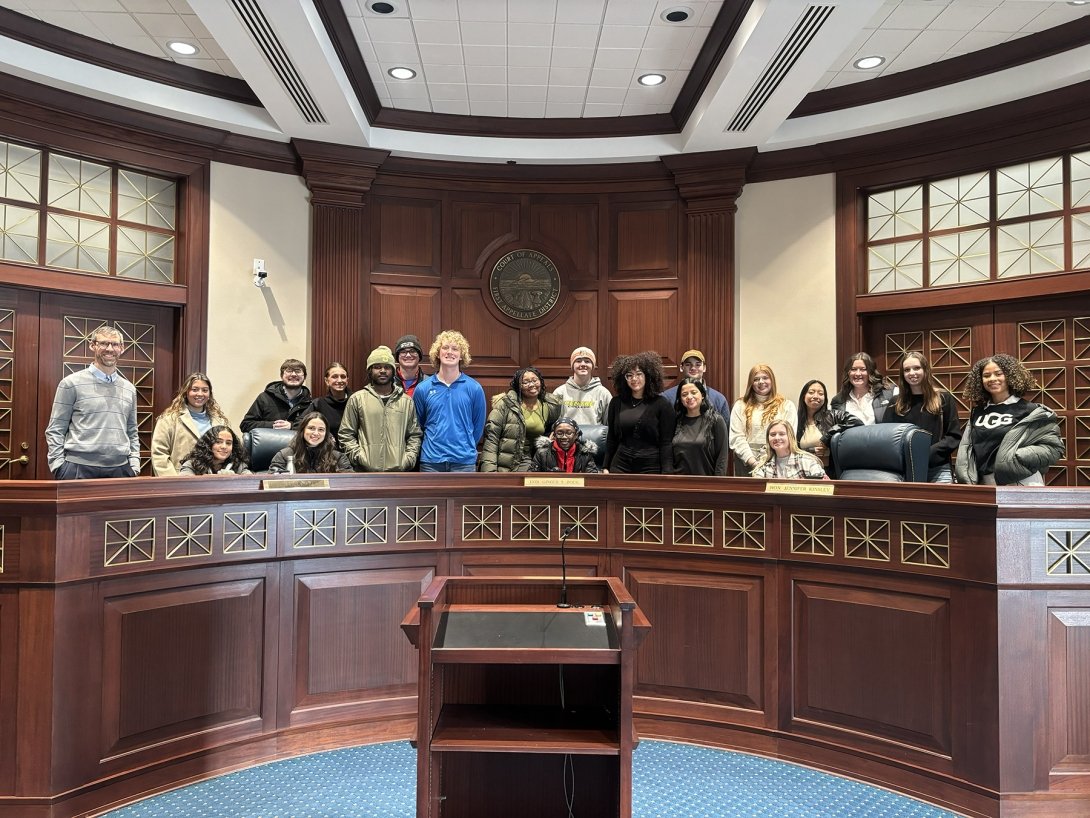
[[545, 456], [273, 404], [505, 432]]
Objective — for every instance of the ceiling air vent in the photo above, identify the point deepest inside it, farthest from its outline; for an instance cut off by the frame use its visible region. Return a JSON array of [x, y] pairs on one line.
[[258, 25], [804, 32]]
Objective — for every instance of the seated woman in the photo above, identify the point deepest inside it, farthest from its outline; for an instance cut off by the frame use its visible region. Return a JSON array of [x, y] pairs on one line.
[[750, 416], [565, 450], [311, 450], [192, 413], [640, 420], [817, 422], [1008, 440], [332, 403], [700, 436], [785, 460], [219, 451], [922, 400], [518, 418], [863, 391]]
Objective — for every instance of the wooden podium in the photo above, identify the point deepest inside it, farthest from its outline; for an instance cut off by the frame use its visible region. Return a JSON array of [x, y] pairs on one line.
[[524, 706]]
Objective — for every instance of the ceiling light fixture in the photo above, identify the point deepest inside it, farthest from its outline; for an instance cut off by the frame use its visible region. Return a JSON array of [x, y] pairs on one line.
[[401, 73], [866, 63], [652, 80], [677, 14], [182, 47], [382, 8], [1077, 2]]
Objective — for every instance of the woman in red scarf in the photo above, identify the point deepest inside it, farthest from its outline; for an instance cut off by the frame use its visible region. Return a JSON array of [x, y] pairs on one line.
[[564, 450]]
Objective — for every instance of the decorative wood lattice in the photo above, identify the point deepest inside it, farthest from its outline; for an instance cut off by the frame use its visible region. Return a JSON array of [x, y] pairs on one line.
[[925, 544], [189, 536], [314, 528], [245, 531], [813, 535], [643, 525], [482, 522], [866, 539], [129, 542], [1067, 552], [694, 526], [583, 518], [365, 525], [531, 523], [417, 523], [744, 530]]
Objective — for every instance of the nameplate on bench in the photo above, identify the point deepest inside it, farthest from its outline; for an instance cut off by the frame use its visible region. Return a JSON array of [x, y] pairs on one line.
[[824, 487], [281, 483], [568, 481]]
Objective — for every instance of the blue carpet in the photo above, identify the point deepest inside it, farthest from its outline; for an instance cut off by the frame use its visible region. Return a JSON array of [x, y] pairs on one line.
[[668, 781]]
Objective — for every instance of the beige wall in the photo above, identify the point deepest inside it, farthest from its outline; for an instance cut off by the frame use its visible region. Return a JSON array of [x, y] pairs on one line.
[[256, 214], [785, 276]]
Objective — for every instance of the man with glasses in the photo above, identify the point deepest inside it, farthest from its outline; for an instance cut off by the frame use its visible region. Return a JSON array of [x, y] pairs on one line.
[[283, 402], [409, 353], [92, 429], [693, 365]]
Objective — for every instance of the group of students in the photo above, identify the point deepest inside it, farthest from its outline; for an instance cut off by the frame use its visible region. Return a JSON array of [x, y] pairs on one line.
[[403, 420]]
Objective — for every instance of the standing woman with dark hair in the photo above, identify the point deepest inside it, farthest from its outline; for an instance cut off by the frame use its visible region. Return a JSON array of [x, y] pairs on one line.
[[192, 413], [332, 403], [641, 422], [1008, 440], [700, 436], [311, 450], [922, 400], [863, 391], [518, 418], [817, 422], [750, 416]]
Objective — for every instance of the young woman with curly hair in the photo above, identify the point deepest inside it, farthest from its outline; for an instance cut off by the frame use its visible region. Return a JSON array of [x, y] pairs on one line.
[[749, 418], [312, 450], [518, 418], [192, 413], [219, 451], [640, 420], [863, 391], [1008, 440], [922, 400]]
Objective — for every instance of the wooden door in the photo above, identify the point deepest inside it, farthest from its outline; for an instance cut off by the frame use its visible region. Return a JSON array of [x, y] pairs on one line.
[[43, 337]]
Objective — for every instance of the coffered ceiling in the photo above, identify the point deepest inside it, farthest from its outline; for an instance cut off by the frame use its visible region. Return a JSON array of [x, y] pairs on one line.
[[550, 81]]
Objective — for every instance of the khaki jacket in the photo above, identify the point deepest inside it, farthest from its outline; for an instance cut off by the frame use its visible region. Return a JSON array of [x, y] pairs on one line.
[[380, 434], [174, 437]]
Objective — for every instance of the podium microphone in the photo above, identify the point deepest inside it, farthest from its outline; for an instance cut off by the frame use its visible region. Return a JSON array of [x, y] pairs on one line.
[[563, 603]]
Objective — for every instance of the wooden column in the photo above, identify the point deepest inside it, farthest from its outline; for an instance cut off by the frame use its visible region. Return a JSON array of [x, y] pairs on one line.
[[709, 184], [339, 178]]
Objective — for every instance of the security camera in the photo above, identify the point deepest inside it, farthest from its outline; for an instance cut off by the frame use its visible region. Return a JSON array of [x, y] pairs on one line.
[[260, 273]]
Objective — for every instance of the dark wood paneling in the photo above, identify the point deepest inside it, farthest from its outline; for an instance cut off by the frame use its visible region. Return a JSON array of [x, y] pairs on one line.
[[405, 235], [1069, 692], [396, 311], [898, 688], [644, 241], [478, 230], [550, 346], [646, 319], [9, 668], [494, 346], [573, 227], [337, 274], [158, 649], [707, 643]]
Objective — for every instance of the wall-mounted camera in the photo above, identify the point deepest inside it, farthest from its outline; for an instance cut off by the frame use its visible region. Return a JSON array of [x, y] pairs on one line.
[[261, 275]]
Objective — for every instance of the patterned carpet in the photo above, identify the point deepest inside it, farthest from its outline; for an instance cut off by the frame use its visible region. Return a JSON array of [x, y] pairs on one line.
[[668, 781]]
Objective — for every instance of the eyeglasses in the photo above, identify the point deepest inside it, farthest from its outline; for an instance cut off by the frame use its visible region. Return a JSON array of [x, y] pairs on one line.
[[411, 352], [634, 375], [294, 371], [110, 344], [531, 382]]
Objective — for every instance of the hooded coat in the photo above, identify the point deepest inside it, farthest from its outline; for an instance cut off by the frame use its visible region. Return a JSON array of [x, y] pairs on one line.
[[505, 432], [545, 456]]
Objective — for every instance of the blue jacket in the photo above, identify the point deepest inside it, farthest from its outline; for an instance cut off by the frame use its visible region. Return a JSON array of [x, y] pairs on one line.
[[452, 418]]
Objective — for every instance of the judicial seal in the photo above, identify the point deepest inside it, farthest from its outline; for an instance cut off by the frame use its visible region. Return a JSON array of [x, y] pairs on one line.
[[525, 284]]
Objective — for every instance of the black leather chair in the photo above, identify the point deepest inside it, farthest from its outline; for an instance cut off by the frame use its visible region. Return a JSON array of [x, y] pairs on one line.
[[596, 434], [262, 444], [890, 452]]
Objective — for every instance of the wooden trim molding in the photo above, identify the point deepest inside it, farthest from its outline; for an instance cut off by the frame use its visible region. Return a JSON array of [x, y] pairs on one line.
[[115, 58]]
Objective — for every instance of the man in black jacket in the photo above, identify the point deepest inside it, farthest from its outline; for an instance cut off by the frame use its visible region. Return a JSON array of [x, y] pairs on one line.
[[283, 402]]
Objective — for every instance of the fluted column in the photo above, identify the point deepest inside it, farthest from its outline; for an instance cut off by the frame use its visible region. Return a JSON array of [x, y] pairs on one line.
[[709, 185], [339, 178]]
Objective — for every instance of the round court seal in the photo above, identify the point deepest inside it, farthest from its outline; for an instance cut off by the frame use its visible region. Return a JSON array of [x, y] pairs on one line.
[[525, 284]]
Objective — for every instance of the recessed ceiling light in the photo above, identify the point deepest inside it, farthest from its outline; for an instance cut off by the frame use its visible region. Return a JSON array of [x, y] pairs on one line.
[[1077, 2], [382, 8], [183, 48], [652, 79], [677, 14], [869, 62], [401, 73]]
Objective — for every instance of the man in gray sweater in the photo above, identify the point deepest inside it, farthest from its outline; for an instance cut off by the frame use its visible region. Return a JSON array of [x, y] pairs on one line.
[[92, 431]]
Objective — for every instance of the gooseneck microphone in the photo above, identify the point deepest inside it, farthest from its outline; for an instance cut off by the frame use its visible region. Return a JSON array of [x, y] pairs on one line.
[[563, 603]]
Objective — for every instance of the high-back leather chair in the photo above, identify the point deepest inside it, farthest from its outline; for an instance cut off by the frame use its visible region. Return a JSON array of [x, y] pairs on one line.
[[597, 435], [262, 444], [891, 452]]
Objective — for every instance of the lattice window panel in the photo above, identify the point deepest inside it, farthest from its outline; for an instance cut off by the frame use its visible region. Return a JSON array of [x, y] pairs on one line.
[[897, 344], [77, 244], [1029, 188], [960, 258], [128, 542], [245, 532], [1, 549], [482, 522], [812, 535], [950, 348], [19, 234], [189, 535], [583, 518], [961, 201], [694, 526], [1080, 333], [365, 525], [926, 544], [866, 539], [1080, 241], [897, 266], [643, 525], [7, 380], [417, 523], [1051, 387], [1030, 248], [1042, 341], [20, 172], [893, 213], [744, 530], [314, 528], [1067, 552], [531, 523]]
